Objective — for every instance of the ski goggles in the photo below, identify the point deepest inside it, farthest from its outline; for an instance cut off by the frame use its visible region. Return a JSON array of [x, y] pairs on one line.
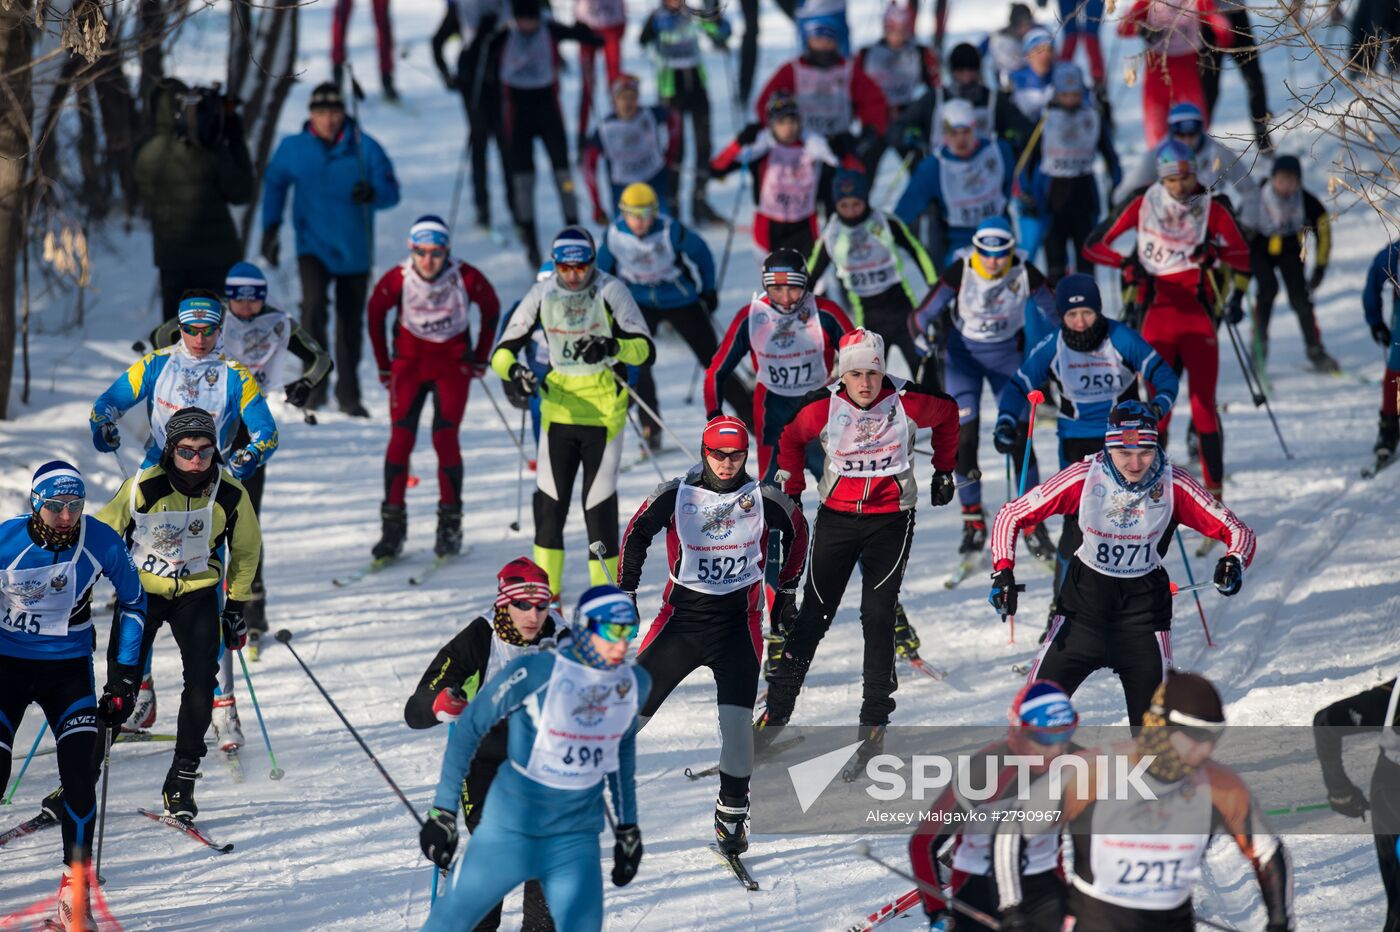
[[615, 631], [189, 455], [1195, 729], [55, 506], [1187, 128], [572, 268], [524, 605], [199, 330]]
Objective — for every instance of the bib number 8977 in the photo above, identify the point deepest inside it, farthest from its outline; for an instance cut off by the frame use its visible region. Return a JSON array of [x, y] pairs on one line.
[[790, 375]]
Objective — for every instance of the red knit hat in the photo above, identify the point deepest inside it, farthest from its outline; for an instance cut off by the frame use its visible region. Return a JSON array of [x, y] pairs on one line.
[[522, 578], [725, 433]]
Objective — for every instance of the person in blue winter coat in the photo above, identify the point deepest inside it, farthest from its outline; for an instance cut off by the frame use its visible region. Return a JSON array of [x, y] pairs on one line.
[[572, 716], [967, 180], [671, 274], [1093, 362], [193, 372], [341, 176], [51, 558], [1384, 275]]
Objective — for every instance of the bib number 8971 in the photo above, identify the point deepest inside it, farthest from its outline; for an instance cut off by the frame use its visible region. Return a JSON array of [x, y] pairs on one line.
[[720, 569], [1123, 554], [583, 756]]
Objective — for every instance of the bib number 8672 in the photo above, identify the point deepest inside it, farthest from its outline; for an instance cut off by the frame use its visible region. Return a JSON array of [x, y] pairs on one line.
[[583, 756]]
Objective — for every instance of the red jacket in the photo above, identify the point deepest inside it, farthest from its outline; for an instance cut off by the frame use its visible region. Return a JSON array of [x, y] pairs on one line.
[[388, 294], [884, 494], [867, 100]]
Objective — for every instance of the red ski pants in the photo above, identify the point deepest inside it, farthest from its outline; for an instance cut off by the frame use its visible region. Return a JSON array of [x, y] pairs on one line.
[[1185, 338], [411, 381], [1168, 80], [612, 64], [384, 30]]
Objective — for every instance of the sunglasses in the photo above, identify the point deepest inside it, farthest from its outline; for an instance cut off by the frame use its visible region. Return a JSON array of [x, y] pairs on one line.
[[524, 606], [185, 453], [431, 253], [571, 267], [58, 507], [199, 330], [615, 631], [721, 457], [1189, 128]]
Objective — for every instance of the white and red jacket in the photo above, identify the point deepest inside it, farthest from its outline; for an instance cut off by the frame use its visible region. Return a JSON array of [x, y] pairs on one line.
[[1063, 493], [451, 317]]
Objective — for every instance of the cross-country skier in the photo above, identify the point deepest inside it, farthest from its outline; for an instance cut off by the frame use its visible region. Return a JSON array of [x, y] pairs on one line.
[[1042, 724], [901, 68], [977, 319], [635, 143], [520, 623], [717, 520], [1137, 860], [866, 423], [791, 169], [1286, 213], [789, 335], [1183, 235], [446, 319], [681, 84], [658, 259], [190, 526], [607, 19], [571, 714], [994, 115], [194, 372], [1173, 33], [1371, 710], [1058, 183], [1244, 49], [526, 56], [1004, 47], [1115, 601], [260, 336], [51, 558], [964, 182], [1217, 165], [594, 330], [830, 91], [1383, 275], [1030, 85], [862, 245], [1079, 22], [1092, 362]]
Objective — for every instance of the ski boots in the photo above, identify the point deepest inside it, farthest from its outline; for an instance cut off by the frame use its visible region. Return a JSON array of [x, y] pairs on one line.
[[1321, 361], [228, 731], [53, 805], [766, 729], [73, 914], [449, 531], [974, 536], [872, 744], [391, 93], [178, 791], [1388, 436], [1039, 544], [732, 824], [775, 641], [394, 519], [143, 714], [906, 639]]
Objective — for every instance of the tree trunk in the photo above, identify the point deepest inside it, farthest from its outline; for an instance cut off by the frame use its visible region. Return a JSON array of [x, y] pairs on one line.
[[264, 90], [16, 112]]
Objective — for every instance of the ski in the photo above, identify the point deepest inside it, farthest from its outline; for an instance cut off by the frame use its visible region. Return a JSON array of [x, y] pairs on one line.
[[28, 827], [1022, 669], [189, 828], [964, 569], [437, 564], [713, 769], [926, 668], [140, 736], [737, 868], [235, 766], [373, 566], [1381, 463], [887, 912]]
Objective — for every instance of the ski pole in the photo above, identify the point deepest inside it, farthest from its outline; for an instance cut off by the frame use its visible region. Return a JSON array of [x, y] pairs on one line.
[[729, 236], [102, 812], [1260, 398], [896, 181], [1191, 578], [1293, 810], [437, 871], [632, 419], [597, 549], [652, 412], [519, 444], [694, 380], [121, 463], [1194, 587], [25, 766], [520, 474], [457, 185], [285, 637], [357, 94], [276, 773], [1035, 397], [972, 912]]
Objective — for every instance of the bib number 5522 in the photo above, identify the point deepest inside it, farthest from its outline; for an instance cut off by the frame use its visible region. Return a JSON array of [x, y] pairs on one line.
[[720, 569]]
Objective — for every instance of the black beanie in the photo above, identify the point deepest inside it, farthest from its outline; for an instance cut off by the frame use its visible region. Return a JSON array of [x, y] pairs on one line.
[[190, 422], [326, 96], [964, 56], [1287, 163]]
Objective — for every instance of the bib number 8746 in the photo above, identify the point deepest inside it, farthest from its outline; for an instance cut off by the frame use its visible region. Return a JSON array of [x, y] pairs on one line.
[[158, 567]]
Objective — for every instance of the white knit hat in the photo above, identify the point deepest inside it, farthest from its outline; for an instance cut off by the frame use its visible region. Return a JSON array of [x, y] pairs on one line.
[[861, 349]]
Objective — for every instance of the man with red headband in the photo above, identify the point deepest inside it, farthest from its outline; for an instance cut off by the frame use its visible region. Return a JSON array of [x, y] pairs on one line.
[[520, 623], [1115, 603], [866, 423], [717, 520]]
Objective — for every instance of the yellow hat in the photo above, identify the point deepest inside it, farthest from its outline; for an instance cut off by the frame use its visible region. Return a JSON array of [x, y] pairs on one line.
[[638, 198]]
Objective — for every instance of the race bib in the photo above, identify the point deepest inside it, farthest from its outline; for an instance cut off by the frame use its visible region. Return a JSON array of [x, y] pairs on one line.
[[172, 544], [527, 62], [1169, 231], [586, 712], [1071, 138], [867, 443], [1091, 378], [39, 601], [1122, 528], [863, 256], [436, 311], [567, 317], [788, 192], [188, 383], [721, 538], [972, 188], [259, 344], [992, 310], [824, 98], [645, 261], [633, 148], [789, 349]]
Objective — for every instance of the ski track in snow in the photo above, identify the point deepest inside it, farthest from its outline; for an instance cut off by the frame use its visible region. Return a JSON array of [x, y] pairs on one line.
[[329, 847]]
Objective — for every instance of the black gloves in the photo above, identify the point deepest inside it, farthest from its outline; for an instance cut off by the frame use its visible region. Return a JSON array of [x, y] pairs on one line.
[[1004, 436], [594, 349], [1229, 574], [748, 134], [233, 625], [1351, 803], [362, 193], [709, 301], [1207, 255], [438, 836], [1319, 272], [1234, 309], [1013, 919], [524, 379], [784, 611], [1134, 272], [298, 393], [941, 489], [1381, 334], [119, 697], [627, 853], [1004, 589], [842, 144]]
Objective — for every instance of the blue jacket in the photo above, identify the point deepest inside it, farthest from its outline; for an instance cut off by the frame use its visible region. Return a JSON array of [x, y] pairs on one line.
[[1091, 420], [680, 290], [926, 186], [329, 225], [104, 553], [517, 802], [1383, 273]]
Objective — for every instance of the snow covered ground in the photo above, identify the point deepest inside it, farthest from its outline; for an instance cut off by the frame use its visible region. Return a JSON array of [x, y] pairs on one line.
[[329, 847]]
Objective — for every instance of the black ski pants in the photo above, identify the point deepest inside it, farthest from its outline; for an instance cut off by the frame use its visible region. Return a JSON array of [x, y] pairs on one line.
[[879, 544], [1094, 915], [695, 328], [1385, 814], [1246, 56], [1122, 624], [887, 313], [1043, 900], [350, 292], [564, 449], [63, 690], [689, 98], [1069, 224], [1267, 270], [482, 99], [479, 777], [1072, 450]]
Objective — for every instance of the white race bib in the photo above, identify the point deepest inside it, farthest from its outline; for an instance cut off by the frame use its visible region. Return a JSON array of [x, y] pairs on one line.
[[649, 260], [172, 543], [823, 98], [1169, 231], [38, 601], [789, 349], [585, 714], [863, 255], [721, 538], [991, 310], [1122, 528], [1093, 377], [972, 188], [1071, 138], [788, 192], [188, 383], [1280, 216], [527, 62], [437, 311], [633, 148], [898, 72], [865, 444], [567, 317], [260, 345]]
